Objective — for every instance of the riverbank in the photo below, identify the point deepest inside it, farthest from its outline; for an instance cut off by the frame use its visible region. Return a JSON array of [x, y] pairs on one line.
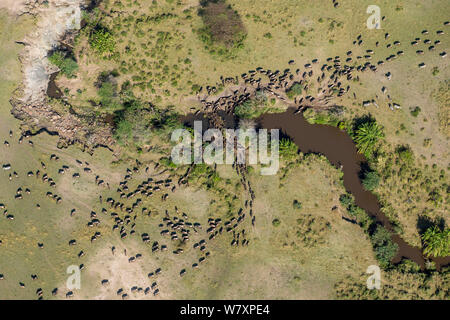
[[55, 20], [338, 147]]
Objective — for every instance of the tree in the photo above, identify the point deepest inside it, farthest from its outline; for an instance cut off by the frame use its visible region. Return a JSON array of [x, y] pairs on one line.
[[385, 248], [67, 65], [288, 149], [139, 122], [366, 137], [102, 41], [108, 96], [371, 180], [294, 90], [405, 154], [436, 242], [252, 108], [346, 199]]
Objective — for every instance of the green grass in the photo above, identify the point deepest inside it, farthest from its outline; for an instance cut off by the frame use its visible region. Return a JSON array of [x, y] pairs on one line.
[[162, 62]]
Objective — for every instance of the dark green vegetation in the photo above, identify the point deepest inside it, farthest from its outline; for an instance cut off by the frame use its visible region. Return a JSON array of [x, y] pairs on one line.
[[393, 170], [367, 135], [371, 180], [415, 111], [288, 149], [107, 90], [419, 189], [437, 242], [294, 90], [331, 116], [276, 222], [253, 108], [385, 249], [364, 129], [102, 41], [138, 123], [65, 62]]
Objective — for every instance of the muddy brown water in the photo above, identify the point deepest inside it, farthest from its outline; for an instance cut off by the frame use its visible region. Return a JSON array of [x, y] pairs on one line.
[[52, 90], [338, 147]]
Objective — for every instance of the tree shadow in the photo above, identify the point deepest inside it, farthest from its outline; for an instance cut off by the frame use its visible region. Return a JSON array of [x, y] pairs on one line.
[[424, 222], [365, 169], [358, 122]]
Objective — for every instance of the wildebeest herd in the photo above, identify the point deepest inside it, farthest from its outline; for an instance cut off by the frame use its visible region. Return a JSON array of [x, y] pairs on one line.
[[321, 85], [141, 190]]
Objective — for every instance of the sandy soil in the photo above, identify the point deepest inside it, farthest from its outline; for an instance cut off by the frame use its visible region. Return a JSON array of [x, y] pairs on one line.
[[13, 6]]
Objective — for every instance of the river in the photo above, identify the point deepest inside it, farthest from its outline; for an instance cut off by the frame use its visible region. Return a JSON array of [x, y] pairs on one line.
[[338, 147]]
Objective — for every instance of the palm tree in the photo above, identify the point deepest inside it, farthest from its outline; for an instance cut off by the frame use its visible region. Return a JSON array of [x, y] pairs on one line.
[[436, 242], [367, 135], [288, 149]]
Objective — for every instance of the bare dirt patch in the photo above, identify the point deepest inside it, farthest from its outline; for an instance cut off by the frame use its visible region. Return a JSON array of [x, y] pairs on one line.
[[223, 24], [14, 6]]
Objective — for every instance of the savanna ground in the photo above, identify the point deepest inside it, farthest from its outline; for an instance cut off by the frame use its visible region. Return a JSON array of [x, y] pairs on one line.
[[163, 56]]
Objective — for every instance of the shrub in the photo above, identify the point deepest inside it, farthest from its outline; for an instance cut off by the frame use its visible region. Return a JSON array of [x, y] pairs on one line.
[[138, 122], [297, 205], [195, 88], [107, 91], [294, 90], [167, 162], [371, 180], [346, 199], [205, 174], [327, 117], [164, 120], [108, 99], [415, 112], [385, 248], [276, 222], [252, 108], [244, 110], [405, 154], [102, 41], [124, 130], [435, 197], [67, 65], [288, 149], [435, 71], [436, 242]]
